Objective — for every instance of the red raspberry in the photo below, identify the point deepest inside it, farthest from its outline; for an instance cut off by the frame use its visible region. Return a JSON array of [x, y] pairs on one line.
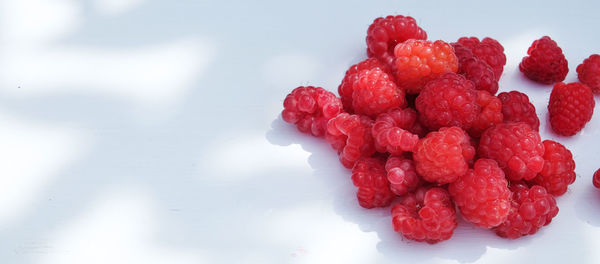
[[351, 136], [530, 210], [385, 33], [546, 63], [462, 53], [443, 156], [559, 168], [402, 175], [517, 108], [482, 194], [375, 93], [516, 147], [480, 73], [571, 106], [418, 61], [596, 179], [425, 215], [345, 89], [450, 100], [491, 113], [310, 108], [589, 72], [489, 50], [368, 174], [390, 131]]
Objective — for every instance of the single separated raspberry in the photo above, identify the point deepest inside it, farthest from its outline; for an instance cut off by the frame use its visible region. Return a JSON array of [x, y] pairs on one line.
[[402, 175], [351, 136], [346, 87], [391, 131], [369, 175], [443, 156], [559, 168], [449, 100], [517, 108], [588, 72], [571, 106], [516, 147], [596, 179], [489, 50], [546, 63], [482, 194], [419, 61], [310, 108], [425, 215], [375, 93], [491, 113], [480, 73], [385, 33], [531, 208]]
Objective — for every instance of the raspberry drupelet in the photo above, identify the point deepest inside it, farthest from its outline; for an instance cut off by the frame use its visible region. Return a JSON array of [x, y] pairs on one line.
[[545, 62], [392, 131], [351, 136], [559, 168], [346, 88], [402, 175], [517, 108], [369, 175], [375, 93], [588, 72], [310, 108], [571, 106], [385, 32]]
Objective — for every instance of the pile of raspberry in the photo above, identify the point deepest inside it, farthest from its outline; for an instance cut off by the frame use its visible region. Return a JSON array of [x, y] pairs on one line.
[[421, 127]]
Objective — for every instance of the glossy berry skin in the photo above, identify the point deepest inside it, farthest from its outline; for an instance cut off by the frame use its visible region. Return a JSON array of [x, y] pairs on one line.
[[588, 72], [488, 50], [391, 131], [369, 175], [516, 107], [559, 168], [443, 156], [571, 106], [346, 88], [480, 73], [545, 62], [419, 61], [402, 175], [375, 93], [516, 147], [427, 215], [310, 108], [450, 100], [385, 32], [482, 194], [351, 136], [596, 179], [490, 115], [531, 208]]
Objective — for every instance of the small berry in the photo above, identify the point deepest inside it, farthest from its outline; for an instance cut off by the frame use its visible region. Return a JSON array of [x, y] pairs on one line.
[[588, 72], [385, 33], [351, 136], [596, 179], [428, 215], [402, 175], [419, 61], [546, 63], [491, 113], [310, 108], [559, 168], [516, 147], [571, 106], [444, 155], [517, 108], [531, 208], [489, 50], [462, 53], [375, 93], [369, 175], [391, 131], [480, 73], [482, 194], [346, 87]]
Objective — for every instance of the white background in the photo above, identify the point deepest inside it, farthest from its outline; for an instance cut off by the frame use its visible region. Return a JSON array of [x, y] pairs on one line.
[[145, 131]]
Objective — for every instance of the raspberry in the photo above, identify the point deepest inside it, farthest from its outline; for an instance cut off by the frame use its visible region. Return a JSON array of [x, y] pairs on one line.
[[480, 73], [546, 63], [450, 100], [310, 108], [596, 179], [516, 147], [461, 52], [558, 171], [345, 89], [489, 50], [351, 136], [517, 108], [368, 174], [402, 175], [375, 93], [571, 106], [443, 156], [418, 61], [385, 33], [425, 215], [530, 210], [491, 113], [588, 72], [390, 131], [482, 194]]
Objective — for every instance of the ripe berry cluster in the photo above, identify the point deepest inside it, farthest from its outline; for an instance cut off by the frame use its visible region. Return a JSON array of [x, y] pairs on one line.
[[421, 127]]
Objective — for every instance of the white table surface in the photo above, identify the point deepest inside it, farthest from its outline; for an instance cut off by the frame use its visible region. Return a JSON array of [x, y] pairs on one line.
[[146, 131]]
